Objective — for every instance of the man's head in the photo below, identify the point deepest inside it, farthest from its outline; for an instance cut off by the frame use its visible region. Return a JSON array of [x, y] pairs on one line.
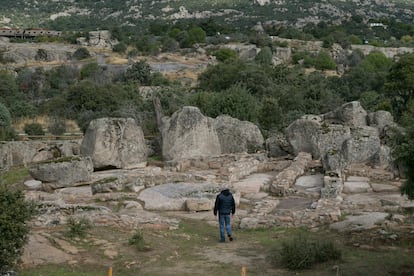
[[225, 191]]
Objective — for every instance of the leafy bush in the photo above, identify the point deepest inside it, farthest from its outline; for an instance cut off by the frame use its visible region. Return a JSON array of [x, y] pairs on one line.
[[139, 71], [138, 241], [89, 69], [81, 53], [57, 126], [225, 54], [33, 129], [302, 252], [78, 227], [5, 118], [119, 48], [15, 213], [265, 56]]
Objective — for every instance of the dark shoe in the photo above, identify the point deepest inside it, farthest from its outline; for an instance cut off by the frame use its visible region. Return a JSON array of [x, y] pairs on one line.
[[230, 238], [222, 240]]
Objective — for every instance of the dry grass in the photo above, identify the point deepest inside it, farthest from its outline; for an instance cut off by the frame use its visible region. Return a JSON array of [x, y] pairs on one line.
[[71, 125], [116, 60]]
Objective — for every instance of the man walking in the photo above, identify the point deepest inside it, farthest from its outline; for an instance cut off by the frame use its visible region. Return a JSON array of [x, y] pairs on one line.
[[224, 206]]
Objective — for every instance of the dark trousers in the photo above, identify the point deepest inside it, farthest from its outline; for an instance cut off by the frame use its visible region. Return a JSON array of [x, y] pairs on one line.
[[224, 223]]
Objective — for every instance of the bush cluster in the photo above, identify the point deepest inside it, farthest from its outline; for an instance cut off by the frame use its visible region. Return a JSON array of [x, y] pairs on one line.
[[78, 227], [14, 229], [137, 241], [303, 252], [33, 129]]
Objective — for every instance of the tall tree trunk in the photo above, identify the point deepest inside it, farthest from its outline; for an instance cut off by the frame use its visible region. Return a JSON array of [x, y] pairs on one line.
[[158, 112]]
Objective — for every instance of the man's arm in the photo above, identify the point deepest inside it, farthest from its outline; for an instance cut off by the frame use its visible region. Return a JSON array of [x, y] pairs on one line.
[[233, 206], [216, 205]]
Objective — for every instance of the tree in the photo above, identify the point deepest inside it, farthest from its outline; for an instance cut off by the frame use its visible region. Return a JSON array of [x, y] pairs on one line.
[[264, 57], [81, 53], [5, 121], [8, 89], [196, 35], [89, 70], [15, 213], [399, 85], [139, 71], [236, 102], [224, 54], [270, 114], [403, 153], [221, 76], [119, 48], [33, 129], [324, 61], [5, 118]]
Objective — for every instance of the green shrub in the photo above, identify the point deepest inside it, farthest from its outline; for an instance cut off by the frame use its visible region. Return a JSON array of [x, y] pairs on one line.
[[302, 252], [224, 54], [78, 227], [119, 48], [264, 57], [89, 70], [81, 53], [33, 129], [57, 126], [139, 71], [137, 240], [5, 117], [15, 213]]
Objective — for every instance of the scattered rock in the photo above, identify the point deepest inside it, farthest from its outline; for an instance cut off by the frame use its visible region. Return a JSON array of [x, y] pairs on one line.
[[363, 221]]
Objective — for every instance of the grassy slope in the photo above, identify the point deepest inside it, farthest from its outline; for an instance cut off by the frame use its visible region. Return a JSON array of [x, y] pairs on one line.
[[193, 250]]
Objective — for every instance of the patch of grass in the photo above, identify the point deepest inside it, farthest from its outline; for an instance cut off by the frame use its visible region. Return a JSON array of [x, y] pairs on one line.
[[14, 175], [78, 227], [61, 160], [138, 242], [65, 270], [303, 252], [191, 250]]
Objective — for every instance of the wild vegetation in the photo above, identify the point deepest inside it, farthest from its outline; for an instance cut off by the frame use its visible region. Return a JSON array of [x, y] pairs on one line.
[[14, 227], [271, 96]]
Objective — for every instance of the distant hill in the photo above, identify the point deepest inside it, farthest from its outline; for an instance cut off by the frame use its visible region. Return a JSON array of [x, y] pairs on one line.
[[92, 14]]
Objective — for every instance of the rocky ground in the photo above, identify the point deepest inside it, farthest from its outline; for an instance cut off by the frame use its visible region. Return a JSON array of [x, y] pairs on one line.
[[159, 199]]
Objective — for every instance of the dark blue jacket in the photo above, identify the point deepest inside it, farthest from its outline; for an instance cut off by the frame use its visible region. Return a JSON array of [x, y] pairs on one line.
[[224, 204]]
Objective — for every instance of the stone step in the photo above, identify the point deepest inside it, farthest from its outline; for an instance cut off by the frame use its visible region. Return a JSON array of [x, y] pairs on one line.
[[252, 184]]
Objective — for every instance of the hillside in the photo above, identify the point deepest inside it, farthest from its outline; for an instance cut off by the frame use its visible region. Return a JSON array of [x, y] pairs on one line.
[[88, 14]]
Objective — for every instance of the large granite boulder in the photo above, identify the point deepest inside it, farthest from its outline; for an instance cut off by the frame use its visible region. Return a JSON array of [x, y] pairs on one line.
[[22, 153], [381, 119], [343, 137], [115, 143], [363, 145], [64, 172], [277, 145], [351, 114], [303, 135], [237, 136], [331, 139], [188, 133]]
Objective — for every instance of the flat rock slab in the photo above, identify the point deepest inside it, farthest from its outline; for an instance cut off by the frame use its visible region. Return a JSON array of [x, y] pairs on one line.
[[252, 184], [39, 250], [362, 201], [295, 203], [309, 181], [363, 221], [380, 188], [357, 179], [356, 187], [76, 194], [173, 196]]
